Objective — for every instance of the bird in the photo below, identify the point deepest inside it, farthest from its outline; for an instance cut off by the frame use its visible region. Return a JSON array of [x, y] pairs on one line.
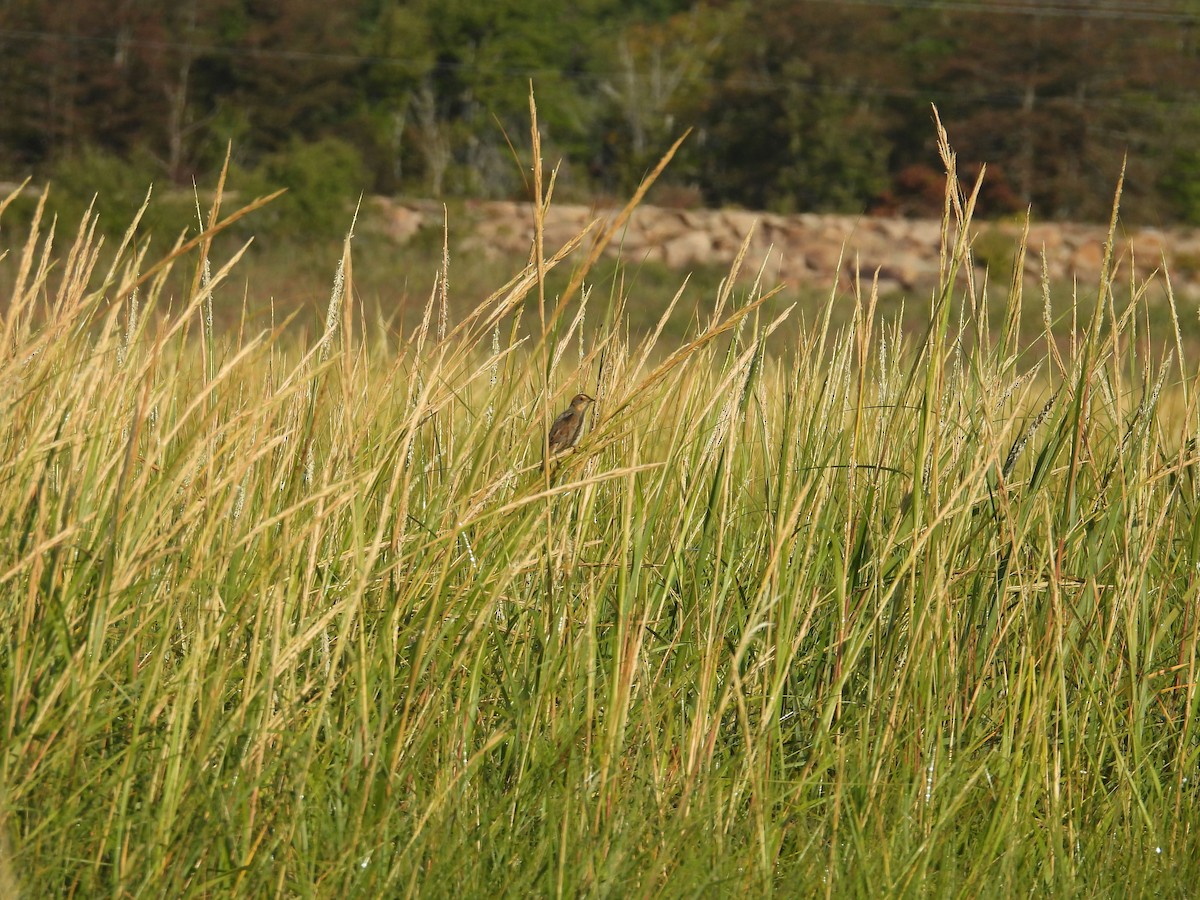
[[565, 430]]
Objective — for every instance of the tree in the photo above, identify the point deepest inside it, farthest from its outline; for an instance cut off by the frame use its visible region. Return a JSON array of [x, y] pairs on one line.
[[657, 74], [1055, 101], [797, 117]]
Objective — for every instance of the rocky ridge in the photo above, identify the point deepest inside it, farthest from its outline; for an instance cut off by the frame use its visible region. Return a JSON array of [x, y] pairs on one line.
[[811, 250]]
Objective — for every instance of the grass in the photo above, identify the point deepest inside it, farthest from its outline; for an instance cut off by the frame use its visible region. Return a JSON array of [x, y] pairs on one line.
[[879, 613]]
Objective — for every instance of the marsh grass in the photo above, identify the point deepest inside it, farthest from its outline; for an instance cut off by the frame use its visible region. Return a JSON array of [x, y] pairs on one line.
[[886, 613]]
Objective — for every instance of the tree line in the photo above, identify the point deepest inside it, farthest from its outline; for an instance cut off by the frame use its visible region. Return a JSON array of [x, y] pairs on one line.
[[794, 105]]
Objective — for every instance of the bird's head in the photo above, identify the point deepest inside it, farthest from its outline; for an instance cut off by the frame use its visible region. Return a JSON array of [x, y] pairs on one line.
[[580, 401]]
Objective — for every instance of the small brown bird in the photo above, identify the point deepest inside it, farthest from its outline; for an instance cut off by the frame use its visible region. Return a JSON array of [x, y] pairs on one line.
[[569, 423]]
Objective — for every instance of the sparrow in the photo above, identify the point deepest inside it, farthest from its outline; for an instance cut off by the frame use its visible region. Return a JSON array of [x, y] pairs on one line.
[[564, 432]]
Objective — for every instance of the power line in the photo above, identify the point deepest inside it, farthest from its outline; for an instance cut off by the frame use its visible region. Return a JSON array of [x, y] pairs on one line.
[[238, 51], [758, 83], [1131, 10], [1082, 9]]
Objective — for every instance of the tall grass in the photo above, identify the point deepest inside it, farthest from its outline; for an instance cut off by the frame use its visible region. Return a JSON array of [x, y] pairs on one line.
[[892, 613]]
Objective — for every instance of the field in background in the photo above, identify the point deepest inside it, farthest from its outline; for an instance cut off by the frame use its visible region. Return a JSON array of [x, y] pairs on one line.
[[864, 610], [296, 242]]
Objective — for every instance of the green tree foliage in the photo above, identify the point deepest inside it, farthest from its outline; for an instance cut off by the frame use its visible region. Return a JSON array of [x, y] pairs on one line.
[[794, 118], [319, 175], [655, 78], [794, 104], [73, 74], [1055, 100], [1181, 184]]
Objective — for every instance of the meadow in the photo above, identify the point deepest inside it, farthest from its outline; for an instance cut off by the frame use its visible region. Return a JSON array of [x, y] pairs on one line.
[[819, 604]]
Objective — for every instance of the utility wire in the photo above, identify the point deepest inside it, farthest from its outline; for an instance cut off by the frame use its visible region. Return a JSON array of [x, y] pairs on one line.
[[1081, 9], [1129, 10], [763, 83]]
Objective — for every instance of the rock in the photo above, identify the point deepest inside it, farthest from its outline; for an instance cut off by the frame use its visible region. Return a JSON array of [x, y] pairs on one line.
[[835, 231], [1087, 259], [687, 249], [926, 233], [823, 256], [892, 229], [903, 271], [740, 222], [799, 249], [657, 227], [1147, 248], [649, 253], [400, 223], [888, 287], [1043, 236]]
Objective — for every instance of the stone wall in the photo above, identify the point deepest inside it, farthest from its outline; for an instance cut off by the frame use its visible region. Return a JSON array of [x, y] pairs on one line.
[[807, 249]]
